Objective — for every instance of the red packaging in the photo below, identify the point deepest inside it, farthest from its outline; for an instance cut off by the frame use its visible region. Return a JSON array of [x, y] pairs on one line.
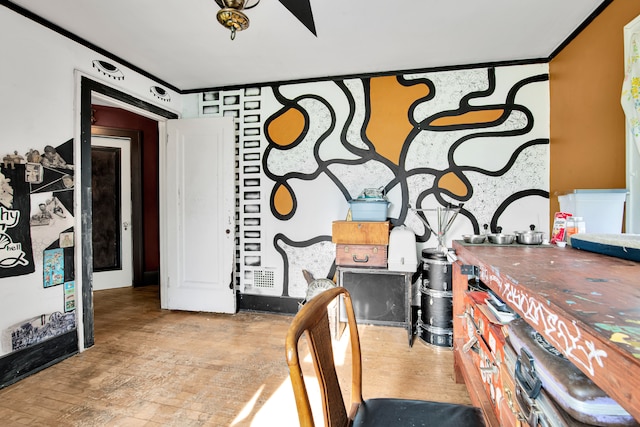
[[559, 222]]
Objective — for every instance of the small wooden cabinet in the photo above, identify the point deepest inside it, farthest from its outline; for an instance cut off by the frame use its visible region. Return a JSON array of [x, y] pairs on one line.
[[380, 296]]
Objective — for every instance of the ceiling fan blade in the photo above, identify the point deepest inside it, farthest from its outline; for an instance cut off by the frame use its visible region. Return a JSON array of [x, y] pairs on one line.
[[301, 9]]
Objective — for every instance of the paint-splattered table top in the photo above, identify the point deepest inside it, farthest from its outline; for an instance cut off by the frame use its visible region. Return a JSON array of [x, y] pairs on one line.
[[586, 305]]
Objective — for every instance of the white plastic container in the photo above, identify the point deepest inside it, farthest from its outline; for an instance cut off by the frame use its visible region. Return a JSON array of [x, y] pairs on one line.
[[602, 210], [402, 250]]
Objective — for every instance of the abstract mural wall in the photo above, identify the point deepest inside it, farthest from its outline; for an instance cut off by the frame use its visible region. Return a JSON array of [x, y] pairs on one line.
[[476, 138]]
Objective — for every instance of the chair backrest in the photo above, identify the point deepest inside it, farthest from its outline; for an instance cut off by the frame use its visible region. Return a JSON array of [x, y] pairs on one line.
[[313, 320]]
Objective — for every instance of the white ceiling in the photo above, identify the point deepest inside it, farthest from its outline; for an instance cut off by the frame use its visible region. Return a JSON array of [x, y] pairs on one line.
[[181, 43]]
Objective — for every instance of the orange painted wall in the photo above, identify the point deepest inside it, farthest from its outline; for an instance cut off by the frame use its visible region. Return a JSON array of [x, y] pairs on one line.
[[587, 122]]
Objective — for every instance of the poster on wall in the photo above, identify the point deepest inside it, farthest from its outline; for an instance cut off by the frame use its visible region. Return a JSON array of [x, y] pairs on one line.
[[16, 255], [69, 296], [66, 239], [60, 252], [53, 267]]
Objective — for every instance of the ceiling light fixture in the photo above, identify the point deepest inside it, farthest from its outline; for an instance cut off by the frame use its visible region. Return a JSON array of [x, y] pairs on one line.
[[231, 14]]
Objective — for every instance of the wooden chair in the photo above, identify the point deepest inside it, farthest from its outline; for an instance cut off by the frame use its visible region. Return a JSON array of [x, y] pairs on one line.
[[313, 320]]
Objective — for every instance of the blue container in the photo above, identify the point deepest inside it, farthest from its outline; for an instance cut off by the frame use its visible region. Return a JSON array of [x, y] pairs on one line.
[[369, 209]]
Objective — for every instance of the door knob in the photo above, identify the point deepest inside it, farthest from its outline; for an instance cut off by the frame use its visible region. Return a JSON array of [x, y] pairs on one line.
[[125, 225]]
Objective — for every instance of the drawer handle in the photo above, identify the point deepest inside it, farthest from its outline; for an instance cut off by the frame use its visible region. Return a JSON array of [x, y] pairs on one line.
[[365, 259], [493, 369], [509, 397], [467, 346]]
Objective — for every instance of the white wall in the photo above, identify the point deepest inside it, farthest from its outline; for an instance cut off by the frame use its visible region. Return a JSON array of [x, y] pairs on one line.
[[38, 107]]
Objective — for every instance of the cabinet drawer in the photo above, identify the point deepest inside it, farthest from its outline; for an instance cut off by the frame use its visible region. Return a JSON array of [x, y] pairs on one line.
[[509, 412], [489, 370], [361, 255], [360, 232]]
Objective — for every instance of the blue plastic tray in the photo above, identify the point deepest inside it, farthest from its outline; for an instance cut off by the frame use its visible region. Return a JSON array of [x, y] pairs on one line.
[[625, 246]]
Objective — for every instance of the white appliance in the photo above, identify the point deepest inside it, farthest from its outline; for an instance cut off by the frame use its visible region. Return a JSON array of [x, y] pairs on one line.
[[402, 253]]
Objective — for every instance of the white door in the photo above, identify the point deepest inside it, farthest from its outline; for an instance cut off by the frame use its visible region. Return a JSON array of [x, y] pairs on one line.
[[199, 215], [121, 275]]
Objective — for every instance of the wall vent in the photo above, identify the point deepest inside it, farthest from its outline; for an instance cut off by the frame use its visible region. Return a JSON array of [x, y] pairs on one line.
[[263, 279]]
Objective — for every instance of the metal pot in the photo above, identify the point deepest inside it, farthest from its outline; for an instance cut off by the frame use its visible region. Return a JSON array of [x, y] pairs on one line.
[[501, 239], [474, 238], [531, 237]]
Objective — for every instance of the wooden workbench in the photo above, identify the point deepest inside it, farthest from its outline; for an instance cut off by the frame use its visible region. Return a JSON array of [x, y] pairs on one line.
[[586, 305]]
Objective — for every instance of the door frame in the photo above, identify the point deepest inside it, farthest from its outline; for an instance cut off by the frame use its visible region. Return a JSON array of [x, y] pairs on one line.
[[137, 217], [84, 256]]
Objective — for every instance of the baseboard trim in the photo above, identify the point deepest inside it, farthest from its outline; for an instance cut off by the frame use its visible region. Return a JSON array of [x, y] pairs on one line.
[[150, 278], [267, 303], [22, 363]]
